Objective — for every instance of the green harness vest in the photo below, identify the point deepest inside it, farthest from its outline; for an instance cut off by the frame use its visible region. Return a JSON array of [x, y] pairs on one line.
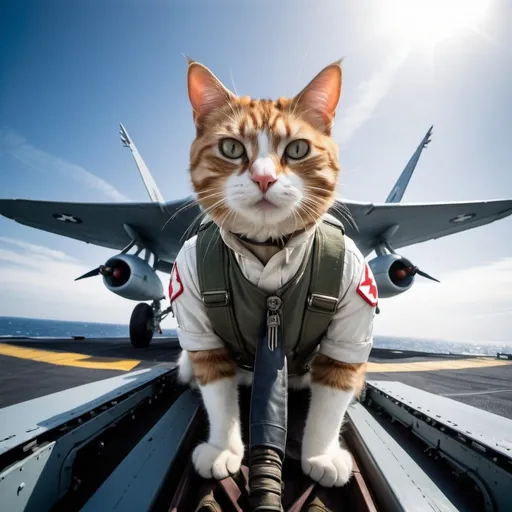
[[239, 311]]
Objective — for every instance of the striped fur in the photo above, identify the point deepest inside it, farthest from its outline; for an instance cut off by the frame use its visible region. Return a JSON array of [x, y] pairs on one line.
[[338, 375], [304, 189], [211, 365]]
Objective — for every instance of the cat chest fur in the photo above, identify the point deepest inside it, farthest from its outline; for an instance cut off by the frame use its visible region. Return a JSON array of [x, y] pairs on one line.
[[238, 309]]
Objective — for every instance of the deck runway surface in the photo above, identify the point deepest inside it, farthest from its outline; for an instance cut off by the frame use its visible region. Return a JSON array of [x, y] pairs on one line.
[[30, 368]]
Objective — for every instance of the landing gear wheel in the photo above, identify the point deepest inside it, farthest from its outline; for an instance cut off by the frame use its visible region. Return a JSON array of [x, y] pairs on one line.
[[142, 325]]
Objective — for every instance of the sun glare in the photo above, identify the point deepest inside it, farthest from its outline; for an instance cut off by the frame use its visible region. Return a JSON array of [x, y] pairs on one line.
[[431, 21]]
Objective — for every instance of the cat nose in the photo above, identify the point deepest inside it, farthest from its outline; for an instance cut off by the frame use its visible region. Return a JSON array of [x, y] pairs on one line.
[[264, 181], [263, 173]]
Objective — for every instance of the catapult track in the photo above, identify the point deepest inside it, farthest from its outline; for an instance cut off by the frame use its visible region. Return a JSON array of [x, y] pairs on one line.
[[128, 409]]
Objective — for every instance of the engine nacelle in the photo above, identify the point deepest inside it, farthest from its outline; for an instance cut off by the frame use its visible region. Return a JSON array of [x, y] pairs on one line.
[[133, 279], [384, 268]]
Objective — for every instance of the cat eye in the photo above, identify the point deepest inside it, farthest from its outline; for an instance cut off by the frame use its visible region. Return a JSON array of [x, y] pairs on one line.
[[231, 148], [297, 149]]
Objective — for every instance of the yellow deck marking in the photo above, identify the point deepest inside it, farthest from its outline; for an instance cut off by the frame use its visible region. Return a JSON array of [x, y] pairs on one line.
[[428, 366], [83, 361], [66, 358]]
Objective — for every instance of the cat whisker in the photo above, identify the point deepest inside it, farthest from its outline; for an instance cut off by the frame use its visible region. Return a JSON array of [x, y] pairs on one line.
[[308, 211], [345, 213], [301, 219], [202, 214], [338, 207], [220, 222], [192, 224], [186, 206], [295, 215], [232, 119], [211, 209], [232, 81], [189, 204]]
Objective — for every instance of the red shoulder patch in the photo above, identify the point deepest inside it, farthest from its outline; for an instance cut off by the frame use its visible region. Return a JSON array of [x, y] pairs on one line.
[[175, 284], [367, 288]]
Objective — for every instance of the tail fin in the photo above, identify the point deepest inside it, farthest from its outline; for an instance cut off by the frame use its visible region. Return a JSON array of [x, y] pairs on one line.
[[398, 190], [149, 182]]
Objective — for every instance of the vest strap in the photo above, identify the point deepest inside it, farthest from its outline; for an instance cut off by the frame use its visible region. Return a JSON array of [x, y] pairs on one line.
[[213, 283], [324, 288], [322, 304], [216, 299]]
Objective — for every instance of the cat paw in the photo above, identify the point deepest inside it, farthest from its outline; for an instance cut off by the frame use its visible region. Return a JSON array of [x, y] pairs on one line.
[[213, 462], [331, 469]]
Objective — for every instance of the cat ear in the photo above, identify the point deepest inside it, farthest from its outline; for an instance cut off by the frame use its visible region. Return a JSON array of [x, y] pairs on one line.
[[205, 91], [318, 101]]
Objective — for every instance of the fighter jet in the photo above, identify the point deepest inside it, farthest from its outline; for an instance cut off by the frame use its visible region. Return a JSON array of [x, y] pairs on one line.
[[149, 235]]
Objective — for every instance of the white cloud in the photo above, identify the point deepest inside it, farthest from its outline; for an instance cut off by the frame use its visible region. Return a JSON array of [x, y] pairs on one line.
[[473, 304], [36, 281], [369, 94], [37, 251], [16, 146]]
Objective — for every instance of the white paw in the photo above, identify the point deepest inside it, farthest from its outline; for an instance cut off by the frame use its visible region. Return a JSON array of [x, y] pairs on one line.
[[213, 462], [332, 469]]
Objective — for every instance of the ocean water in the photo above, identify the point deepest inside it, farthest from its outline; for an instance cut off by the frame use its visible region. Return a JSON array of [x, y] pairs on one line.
[[29, 327]]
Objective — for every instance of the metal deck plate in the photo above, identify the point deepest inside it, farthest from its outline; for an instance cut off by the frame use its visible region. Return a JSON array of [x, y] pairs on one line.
[[486, 428], [135, 483], [395, 477], [21, 422]]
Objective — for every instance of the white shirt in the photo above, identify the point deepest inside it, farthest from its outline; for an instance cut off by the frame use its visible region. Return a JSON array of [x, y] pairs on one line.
[[349, 337]]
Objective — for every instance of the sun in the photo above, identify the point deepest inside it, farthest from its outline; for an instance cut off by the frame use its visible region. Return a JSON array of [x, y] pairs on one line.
[[431, 21]]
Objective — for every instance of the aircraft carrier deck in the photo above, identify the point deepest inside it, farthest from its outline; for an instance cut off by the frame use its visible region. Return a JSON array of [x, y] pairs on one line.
[[401, 432], [34, 367]]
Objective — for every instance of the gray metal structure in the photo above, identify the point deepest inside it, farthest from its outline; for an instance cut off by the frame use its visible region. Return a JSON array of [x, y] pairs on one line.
[[40, 467], [397, 478], [475, 443], [40, 438], [136, 482]]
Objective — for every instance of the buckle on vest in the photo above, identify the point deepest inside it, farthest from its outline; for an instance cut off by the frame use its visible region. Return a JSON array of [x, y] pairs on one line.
[[322, 303], [216, 299]]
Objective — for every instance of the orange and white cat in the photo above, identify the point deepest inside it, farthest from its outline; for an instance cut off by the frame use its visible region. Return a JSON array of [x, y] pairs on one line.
[[266, 169]]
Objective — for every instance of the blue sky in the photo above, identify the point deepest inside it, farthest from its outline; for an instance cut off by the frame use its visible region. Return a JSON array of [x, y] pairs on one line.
[[71, 71]]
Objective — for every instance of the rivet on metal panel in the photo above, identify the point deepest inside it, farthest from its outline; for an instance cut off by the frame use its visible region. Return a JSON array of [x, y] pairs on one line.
[[76, 483]]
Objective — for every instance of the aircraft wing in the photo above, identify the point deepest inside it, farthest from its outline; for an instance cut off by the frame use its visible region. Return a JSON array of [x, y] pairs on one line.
[[412, 223], [104, 224]]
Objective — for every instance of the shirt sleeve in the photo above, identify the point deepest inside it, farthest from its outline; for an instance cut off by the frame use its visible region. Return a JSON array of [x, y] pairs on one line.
[[349, 338], [195, 331]]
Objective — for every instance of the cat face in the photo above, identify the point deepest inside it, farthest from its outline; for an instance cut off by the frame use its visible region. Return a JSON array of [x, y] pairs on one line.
[[264, 168]]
